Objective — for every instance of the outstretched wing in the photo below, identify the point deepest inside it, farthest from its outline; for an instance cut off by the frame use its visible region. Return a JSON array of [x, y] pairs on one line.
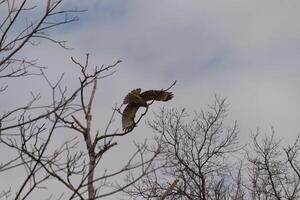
[[131, 96], [128, 116], [157, 95]]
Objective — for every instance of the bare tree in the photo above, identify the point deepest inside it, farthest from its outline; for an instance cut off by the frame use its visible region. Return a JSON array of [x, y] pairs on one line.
[[32, 132], [197, 153], [203, 155], [191, 159], [19, 27], [272, 174]]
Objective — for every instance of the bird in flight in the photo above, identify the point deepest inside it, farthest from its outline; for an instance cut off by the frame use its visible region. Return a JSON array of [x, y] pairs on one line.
[[136, 99]]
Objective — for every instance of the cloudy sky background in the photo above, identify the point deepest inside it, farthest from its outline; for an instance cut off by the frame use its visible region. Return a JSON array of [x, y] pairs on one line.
[[246, 51]]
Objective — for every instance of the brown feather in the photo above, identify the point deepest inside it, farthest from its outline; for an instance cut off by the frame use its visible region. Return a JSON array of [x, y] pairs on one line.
[[136, 99], [128, 98], [132, 96], [129, 115], [157, 95]]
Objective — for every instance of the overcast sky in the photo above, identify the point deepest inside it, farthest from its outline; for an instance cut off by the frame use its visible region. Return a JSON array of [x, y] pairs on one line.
[[246, 51]]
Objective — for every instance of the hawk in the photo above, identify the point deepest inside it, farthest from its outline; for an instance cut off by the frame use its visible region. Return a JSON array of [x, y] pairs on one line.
[[136, 99]]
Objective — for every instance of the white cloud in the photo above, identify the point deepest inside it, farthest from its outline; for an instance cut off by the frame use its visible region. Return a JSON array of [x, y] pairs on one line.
[[247, 51]]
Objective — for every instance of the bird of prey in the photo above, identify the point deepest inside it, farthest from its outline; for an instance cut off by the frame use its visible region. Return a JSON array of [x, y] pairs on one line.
[[136, 99]]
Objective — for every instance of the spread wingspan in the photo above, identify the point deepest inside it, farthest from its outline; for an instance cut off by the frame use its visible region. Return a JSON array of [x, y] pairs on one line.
[[136, 99]]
